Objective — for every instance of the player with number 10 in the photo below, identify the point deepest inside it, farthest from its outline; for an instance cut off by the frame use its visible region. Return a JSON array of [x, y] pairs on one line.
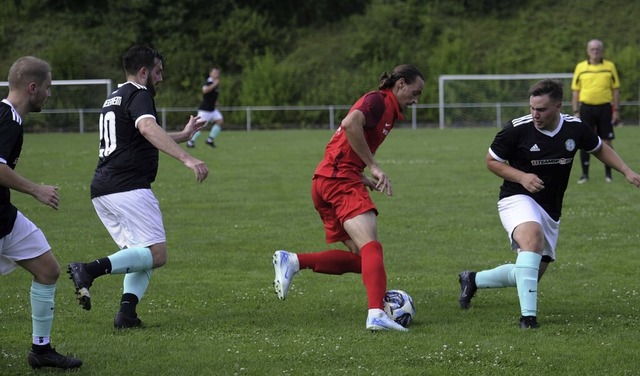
[[130, 141]]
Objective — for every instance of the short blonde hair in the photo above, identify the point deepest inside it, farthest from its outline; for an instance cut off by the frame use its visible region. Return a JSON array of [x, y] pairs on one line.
[[28, 69]]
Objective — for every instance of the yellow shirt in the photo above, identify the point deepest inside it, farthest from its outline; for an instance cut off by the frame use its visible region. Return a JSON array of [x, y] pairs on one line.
[[595, 82]]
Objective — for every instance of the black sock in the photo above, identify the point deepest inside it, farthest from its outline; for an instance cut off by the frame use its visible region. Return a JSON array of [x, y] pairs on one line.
[[128, 304], [40, 349], [584, 159], [99, 267]]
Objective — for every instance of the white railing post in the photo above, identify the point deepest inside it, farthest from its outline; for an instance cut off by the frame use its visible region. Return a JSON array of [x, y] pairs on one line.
[[81, 116], [332, 122], [248, 118], [414, 114]]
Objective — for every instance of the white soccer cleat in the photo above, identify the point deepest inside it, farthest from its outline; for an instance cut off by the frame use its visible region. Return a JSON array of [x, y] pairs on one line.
[[286, 265], [378, 320]]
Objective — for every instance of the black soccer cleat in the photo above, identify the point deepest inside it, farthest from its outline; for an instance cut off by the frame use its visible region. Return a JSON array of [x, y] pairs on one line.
[[468, 288], [528, 322], [82, 281], [122, 321], [51, 358]]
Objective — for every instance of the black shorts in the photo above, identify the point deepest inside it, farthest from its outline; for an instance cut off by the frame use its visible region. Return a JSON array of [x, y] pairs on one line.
[[599, 118]]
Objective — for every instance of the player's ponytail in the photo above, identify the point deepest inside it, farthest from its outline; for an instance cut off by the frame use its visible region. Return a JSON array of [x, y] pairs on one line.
[[406, 71]]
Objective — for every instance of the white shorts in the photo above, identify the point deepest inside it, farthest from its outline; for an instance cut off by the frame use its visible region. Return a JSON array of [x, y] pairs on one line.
[[25, 242], [515, 210], [210, 116], [132, 218]]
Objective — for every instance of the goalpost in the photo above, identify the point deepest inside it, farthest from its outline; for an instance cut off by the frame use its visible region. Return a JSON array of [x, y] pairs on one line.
[[489, 99], [70, 100]]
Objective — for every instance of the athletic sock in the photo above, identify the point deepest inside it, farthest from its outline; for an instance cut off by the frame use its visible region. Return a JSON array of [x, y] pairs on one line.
[[130, 260], [584, 159], [136, 283], [42, 305], [502, 276], [41, 349], [526, 272], [195, 136], [128, 304], [334, 261], [98, 267], [374, 276], [215, 131]]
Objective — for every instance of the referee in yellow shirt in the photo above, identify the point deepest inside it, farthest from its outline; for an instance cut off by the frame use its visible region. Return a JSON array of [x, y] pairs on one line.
[[596, 99]]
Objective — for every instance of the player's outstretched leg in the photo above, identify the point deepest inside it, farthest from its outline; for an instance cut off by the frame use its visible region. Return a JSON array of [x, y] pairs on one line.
[[82, 281], [285, 265], [377, 319]]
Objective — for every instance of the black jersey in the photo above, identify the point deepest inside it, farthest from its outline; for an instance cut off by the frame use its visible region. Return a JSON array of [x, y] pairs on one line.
[[11, 137], [549, 155], [127, 160], [209, 99]]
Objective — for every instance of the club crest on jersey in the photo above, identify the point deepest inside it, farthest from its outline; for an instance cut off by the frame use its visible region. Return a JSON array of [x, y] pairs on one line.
[[570, 144]]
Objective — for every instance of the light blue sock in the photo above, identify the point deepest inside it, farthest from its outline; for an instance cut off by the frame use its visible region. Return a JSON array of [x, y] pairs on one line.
[[42, 305], [137, 283], [502, 276], [527, 265], [195, 136], [131, 260], [215, 131]]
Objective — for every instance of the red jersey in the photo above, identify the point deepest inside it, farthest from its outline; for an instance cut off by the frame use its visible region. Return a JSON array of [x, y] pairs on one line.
[[380, 109]]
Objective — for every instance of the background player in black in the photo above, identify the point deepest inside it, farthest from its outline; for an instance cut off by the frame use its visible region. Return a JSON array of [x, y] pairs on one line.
[[534, 154], [130, 141], [21, 242], [207, 109]]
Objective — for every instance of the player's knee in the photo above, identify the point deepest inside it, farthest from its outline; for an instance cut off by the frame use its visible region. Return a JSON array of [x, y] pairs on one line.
[[159, 254], [48, 275], [159, 260]]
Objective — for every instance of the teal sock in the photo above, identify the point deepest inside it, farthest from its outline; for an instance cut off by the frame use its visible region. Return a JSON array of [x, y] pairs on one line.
[[502, 276], [131, 260], [215, 131], [195, 136], [136, 283], [42, 305], [527, 265]]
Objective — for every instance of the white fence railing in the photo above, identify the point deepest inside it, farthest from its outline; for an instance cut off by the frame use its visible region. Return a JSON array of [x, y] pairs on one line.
[[418, 116]]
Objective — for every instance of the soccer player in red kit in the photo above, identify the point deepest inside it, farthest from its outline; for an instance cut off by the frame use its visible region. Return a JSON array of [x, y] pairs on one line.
[[339, 192]]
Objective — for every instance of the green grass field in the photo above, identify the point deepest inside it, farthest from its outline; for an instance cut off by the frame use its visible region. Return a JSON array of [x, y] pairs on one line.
[[212, 311]]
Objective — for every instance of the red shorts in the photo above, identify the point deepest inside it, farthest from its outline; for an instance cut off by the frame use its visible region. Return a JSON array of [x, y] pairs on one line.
[[338, 200]]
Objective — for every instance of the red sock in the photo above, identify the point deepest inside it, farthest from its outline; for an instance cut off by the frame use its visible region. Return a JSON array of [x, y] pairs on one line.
[[334, 261], [373, 274]]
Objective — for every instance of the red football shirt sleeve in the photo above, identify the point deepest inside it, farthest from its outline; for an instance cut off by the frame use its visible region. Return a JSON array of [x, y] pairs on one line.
[[372, 106]]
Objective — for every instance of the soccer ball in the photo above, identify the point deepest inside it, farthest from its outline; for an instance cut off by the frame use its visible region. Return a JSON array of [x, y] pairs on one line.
[[399, 306]]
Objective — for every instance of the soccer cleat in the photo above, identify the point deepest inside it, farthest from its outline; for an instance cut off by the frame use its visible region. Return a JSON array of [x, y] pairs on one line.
[[583, 179], [211, 143], [378, 320], [468, 288], [528, 322], [608, 179], [82, 280], [190, 144], [51, 358], [286, 265], [122, 321]]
